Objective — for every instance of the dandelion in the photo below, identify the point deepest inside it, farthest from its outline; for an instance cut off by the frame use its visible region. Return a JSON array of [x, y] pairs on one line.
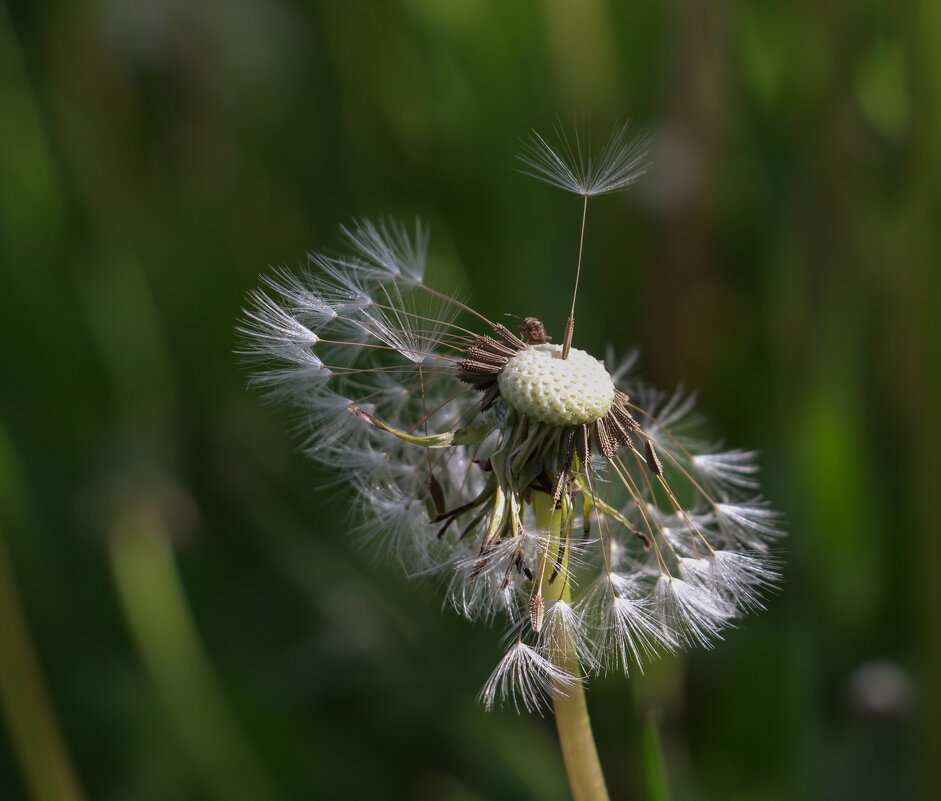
[[550, 491]]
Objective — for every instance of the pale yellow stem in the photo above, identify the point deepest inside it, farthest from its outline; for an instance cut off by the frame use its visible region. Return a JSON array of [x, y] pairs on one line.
[[571, 711]]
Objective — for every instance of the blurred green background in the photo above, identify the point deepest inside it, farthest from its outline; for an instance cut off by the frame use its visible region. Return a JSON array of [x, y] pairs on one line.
[[179, 598]]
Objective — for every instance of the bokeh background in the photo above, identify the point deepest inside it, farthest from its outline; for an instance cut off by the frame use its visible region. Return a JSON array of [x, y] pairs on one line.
[[182, 613]]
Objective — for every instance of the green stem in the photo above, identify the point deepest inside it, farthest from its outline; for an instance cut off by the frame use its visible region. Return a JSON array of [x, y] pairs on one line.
[[571, 711], [578, 745]]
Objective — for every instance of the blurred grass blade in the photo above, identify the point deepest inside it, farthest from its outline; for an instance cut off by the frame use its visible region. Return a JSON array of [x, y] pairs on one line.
[[159, 617], [27, 708], [654, 773]]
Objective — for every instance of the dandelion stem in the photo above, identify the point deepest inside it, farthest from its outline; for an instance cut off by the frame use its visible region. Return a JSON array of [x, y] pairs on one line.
[[571, 710], [578, 745]]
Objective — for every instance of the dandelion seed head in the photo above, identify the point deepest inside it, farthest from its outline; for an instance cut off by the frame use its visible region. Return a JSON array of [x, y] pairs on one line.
[[568, 503]]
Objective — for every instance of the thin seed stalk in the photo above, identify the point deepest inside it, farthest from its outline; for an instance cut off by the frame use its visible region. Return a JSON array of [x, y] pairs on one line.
[[571, 711]]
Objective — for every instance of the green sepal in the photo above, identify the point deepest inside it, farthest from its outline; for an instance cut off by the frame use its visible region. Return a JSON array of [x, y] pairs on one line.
[[432, 441], [594, 500]]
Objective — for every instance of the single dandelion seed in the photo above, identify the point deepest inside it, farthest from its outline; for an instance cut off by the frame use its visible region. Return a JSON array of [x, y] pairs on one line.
[[525, 677], [554, 493]]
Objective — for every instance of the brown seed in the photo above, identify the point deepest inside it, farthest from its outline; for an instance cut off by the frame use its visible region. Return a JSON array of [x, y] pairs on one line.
[[617, 429], [619, 410], [509, 338], [606, 443], [644, 539], [565, 464], [582, 446], [537, 610], [437, 494], [560, 557], [490, 395], [652, 461]]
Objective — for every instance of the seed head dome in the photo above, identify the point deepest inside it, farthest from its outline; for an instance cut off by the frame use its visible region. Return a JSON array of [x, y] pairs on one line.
[[560, 392]]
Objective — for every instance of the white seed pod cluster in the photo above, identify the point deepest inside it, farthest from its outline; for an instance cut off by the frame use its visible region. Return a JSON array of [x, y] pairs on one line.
[[554, 496]]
